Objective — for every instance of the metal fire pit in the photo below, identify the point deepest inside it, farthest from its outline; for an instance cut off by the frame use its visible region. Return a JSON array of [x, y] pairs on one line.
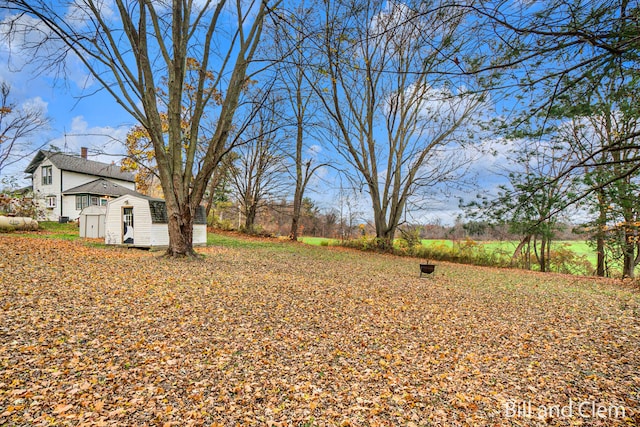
[[427, 269]]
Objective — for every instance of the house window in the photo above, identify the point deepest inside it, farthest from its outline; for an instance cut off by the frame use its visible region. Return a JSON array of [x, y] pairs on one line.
[[82, 202], [47, 175], [95, 201], [104, 202], [51, 201]]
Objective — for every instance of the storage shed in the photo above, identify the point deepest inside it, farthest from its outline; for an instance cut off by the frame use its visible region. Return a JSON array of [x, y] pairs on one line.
[[92, 221], [143, 222]]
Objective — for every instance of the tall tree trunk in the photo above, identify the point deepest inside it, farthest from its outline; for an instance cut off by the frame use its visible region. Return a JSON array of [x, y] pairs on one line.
[[518, 252], [295, 217], [250, 218], [629, 257], [181, 232], [600, 244], [215, 180], [300, 176], [543, 254], [384, 233]]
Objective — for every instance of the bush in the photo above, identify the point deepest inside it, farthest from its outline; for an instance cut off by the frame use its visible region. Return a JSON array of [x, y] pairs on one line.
[[409, 239], [467, 252], [366, 243], [564, 260]]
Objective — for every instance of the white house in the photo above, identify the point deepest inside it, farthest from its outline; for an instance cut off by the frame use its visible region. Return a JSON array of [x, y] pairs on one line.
[[64, 184], [142, 221]]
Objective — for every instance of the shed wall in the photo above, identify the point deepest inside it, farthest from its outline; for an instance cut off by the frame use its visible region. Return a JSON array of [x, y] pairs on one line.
[[159, 235], [200, 234], [141, 221]]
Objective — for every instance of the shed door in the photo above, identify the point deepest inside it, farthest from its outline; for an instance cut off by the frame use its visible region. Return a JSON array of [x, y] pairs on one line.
[[92, 224], [127, 225]]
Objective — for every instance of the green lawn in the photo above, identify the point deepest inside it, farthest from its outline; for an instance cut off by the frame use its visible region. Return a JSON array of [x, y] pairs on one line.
[[579, 247], [318, 241], [55, 230]]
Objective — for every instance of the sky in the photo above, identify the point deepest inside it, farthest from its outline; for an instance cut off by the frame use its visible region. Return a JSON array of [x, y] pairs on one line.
[[82, 115]]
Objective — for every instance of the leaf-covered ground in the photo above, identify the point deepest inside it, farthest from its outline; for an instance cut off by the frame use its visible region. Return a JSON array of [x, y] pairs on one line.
[[284, 334]]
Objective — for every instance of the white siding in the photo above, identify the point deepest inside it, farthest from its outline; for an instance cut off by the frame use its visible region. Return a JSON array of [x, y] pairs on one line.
[[91, 221], [73, 179], [62, 181], [41, 192], [69, 207], [200, 234], [141, 221], [69, 181], [146, 234], [159, 235], [112, 225]]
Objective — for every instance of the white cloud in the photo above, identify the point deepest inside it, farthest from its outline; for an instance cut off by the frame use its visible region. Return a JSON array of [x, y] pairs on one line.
[[105, 143], [30, 48], [36, 104]]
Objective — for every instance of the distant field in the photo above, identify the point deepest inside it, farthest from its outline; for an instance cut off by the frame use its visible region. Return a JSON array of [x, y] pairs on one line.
[[317, 241], [578, 247]]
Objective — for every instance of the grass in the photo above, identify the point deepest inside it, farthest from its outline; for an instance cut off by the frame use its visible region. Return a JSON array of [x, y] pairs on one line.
[[264, 332], [318, 241], [55, 230], [579, 247]]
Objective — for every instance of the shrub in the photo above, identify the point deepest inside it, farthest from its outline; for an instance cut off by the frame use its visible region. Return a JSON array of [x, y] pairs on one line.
[[564, 260], [409, 239]]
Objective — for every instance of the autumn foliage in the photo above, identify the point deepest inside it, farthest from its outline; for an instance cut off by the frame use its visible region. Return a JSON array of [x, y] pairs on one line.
[[265, 334]]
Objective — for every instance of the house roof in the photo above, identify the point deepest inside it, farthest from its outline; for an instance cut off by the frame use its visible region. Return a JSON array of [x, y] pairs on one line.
[[78, 164], [102, 187]]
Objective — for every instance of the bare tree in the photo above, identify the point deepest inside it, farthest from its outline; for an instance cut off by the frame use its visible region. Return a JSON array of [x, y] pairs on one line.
[[397, 115], [294, 38], [129, 47], [16, 124], [259, 171]]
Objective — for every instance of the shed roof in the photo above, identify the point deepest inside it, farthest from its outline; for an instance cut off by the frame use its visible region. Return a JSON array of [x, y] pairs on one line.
[[79, 164], [158, 210], [94, 210], [102, 187], [159, 213]]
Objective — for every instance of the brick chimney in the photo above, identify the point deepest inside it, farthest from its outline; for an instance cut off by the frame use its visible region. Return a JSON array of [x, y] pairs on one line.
[[83, 152]]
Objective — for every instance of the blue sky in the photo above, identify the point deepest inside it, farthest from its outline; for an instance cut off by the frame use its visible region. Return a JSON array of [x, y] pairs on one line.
[[81, 117], [84, 116], [76, 119]]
